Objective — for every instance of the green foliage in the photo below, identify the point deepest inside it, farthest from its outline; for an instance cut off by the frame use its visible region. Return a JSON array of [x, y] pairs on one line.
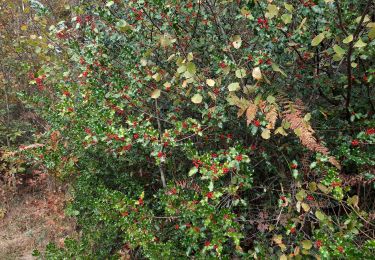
[[145, 102]]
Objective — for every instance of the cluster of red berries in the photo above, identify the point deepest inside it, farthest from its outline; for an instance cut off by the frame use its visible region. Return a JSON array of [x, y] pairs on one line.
[[263, 23], [38, 80]]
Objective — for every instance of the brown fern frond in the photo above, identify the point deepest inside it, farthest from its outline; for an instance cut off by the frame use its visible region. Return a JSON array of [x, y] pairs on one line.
[[271, 116], [182, 184], [188, 185], [293, 113], [251, 113]]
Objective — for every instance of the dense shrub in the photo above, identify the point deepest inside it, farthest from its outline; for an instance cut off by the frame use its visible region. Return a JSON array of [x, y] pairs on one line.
[[213, 128]]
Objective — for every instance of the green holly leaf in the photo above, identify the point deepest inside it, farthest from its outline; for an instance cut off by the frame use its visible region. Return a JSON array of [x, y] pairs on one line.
[[339, 51]]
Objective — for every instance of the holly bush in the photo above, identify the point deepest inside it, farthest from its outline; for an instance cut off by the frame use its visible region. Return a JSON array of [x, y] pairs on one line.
[[199, 129]]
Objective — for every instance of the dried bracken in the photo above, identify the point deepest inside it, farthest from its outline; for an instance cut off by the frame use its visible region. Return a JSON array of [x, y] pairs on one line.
[[251, 113], [293, 113], [271, 116]]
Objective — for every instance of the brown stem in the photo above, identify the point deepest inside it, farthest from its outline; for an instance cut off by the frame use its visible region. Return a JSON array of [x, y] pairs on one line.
[[340, 17], [161, 165]]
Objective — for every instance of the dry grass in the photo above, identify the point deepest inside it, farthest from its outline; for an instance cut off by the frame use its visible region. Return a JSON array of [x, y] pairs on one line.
[[33, 218]]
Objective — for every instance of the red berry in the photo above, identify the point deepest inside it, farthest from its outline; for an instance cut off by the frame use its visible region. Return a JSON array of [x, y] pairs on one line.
[[355, 142], [370, 131], [256, 123], [239, 157], [210, 195]]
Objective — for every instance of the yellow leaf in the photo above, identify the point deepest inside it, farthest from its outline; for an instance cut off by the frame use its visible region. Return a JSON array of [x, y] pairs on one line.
[[320, 215], [289, 7], [196, 99], [24, 27], [234, 86], [166, 40], [155, 94], [365, 20], [371, 33], [156, 77], [287, 18], [240, 73], [318, 39], [307, 244], [266, 134], [302, 24], [340, 51], [278, 239], [232, 99], [348, 39], [281, 131], [359, 44], [312, 186], [143, 62], [273, 11], [276, 68], [190, 56], [257, 74], [353, 201], [237, 41], [246, 12], [305, 206], [210, 82]]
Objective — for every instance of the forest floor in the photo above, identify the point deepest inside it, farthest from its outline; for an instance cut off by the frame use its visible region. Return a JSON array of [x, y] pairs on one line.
[[32, 218]]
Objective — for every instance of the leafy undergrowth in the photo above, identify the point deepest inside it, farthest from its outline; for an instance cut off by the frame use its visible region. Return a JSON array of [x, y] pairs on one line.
[[31, 220]]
